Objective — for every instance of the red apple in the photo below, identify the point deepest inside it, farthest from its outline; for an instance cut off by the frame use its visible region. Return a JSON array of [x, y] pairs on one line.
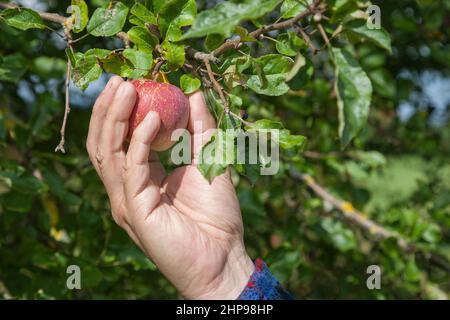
[[170, 103]]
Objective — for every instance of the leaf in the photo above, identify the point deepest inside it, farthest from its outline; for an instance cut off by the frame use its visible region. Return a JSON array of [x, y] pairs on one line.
[[174, 54], [354, 93], [143, 14], [289, 44], [5, 185], [86, 71], [70, 54], [116, 63], [49, 66], [275, 69], [23, 18], [380, 37], [291, 141], [216, 155], [291, 8], [143, 39], [299, 63], [265, 124], [98, 53], [189, 84], [340, 236], [213, 41], [185, 18], [108, 22], [224, 18], [12, 67], [80, 15], [26, 184], [286, 139], [142, 62]]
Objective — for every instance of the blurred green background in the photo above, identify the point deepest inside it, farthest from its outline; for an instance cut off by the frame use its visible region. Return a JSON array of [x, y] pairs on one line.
[[54, 210]]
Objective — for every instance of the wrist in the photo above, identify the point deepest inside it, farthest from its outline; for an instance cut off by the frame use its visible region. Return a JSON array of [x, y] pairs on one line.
[[235, 276]]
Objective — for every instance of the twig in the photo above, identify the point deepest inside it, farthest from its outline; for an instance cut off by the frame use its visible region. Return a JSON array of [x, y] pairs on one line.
[[61, 144], [216, 85], [360, 219], [307, 39], [324, 35], [157, 67], [201, 56], [218, 89], [350, 213], [237, 42], [227, 45], [53, 17]]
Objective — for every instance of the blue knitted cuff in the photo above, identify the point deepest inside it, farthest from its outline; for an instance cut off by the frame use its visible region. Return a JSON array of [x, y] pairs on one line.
[[263, 285]]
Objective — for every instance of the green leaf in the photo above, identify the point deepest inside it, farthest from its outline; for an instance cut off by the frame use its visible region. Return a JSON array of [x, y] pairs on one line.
[[99, 53], [5, 185], [286, 139], [300, 62], [70, 54], [380, 37], [275, 69], [213, 41], [189, 83], [12, 67], [216, 155], [108, 22], [354, 93], [339, 235], [185, 18], [224, 18], [174, 54], [86, 71], [265, 124], [142, 62], [143, 39], [26, 184], [80, 15], [291, 8], [49, 66], [143, 14], [291, 141], [289, 44], [115, 63], [23, 18]]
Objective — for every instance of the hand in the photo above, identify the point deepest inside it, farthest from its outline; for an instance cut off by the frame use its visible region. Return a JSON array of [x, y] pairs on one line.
[[190, 229]]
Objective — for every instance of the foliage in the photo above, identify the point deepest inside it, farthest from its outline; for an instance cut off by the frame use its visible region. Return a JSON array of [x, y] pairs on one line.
[[54, 211]]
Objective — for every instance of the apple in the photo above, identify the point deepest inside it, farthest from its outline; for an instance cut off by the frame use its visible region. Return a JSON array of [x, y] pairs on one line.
[[168, 101]]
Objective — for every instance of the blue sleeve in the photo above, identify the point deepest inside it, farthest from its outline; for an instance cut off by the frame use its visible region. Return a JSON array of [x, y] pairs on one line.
[[263, 285]]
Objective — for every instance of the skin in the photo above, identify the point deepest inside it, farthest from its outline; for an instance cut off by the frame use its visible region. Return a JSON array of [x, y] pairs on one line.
[[190, 229]]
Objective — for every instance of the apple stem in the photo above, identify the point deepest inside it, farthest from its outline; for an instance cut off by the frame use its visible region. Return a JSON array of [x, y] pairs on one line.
[[157, 67]]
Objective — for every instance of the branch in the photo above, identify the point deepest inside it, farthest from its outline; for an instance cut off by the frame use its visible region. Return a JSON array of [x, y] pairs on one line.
[[216, 84], [351, 214], [236, 43], [202, 56], [60, 146], [307, 39], [360, 219], [52, 17]]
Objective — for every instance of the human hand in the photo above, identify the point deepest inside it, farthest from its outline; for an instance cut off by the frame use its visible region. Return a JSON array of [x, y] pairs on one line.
[[190, 229]]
